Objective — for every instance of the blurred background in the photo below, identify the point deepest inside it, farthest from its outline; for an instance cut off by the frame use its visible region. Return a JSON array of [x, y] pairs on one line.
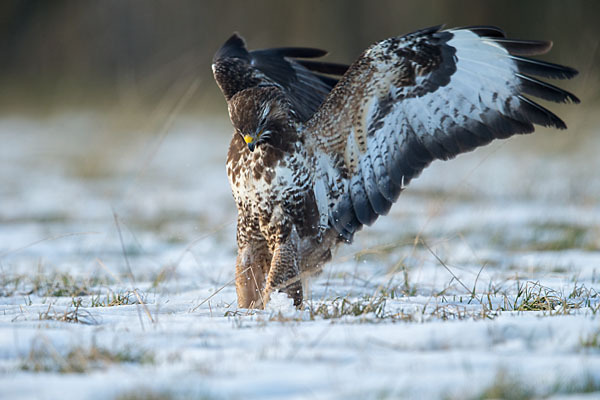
[[130, 55]]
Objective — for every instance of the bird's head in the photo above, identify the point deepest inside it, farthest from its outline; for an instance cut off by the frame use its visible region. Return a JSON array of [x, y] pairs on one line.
[[258, 114]]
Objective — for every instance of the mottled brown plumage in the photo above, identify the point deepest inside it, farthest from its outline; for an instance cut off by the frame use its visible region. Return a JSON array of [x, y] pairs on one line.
[[278, 219], [312, 159]]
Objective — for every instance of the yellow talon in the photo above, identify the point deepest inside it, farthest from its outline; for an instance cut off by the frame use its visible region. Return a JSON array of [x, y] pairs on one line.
[[248, 139]]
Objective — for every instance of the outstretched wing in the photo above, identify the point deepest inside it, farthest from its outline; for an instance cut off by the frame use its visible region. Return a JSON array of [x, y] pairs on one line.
[[236, 69], [428, 95]]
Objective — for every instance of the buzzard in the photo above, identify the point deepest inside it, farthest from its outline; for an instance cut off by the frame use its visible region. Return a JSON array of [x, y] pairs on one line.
[[321, 149]]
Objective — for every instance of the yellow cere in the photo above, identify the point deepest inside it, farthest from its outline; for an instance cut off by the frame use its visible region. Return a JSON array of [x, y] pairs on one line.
[[248, 139]]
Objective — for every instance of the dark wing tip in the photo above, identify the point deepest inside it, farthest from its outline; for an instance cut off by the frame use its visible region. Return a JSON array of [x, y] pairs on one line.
[[545, 90], [569, 72], [545, 69], [539, 115], [237, 38], [234, 47], [488, 31], [299, 52], [525, 47]]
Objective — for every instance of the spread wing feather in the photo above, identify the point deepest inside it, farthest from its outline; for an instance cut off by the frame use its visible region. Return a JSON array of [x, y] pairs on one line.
[[235, 69], [426, 96]]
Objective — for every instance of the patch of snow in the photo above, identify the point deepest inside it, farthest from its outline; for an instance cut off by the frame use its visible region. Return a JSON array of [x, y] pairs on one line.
[[280, 303]]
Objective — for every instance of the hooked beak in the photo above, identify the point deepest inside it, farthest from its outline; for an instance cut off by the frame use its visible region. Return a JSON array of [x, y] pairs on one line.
[[250, 141]]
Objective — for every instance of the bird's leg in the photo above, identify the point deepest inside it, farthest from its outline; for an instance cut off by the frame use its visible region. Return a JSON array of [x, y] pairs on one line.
[[251, 264], [284, 274]]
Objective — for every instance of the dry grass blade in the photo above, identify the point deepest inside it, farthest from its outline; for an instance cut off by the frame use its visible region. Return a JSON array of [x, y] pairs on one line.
[[71, 315], [130, 271], [445, 266], [217, 291]]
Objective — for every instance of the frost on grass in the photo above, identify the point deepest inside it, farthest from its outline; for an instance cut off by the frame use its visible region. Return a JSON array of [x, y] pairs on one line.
[[481, 283]]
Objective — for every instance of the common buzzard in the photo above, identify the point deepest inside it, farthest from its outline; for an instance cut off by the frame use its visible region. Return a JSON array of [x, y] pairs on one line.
[[321, 149]]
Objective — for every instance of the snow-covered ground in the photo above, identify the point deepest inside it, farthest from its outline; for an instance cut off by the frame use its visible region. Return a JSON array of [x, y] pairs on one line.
[[116, 266]]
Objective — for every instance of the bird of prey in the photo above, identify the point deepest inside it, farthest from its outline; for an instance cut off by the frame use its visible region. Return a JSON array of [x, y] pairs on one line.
[[321, 149]]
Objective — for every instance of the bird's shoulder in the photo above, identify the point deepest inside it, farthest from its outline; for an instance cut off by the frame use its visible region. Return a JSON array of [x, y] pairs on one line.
[[304, 81]]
